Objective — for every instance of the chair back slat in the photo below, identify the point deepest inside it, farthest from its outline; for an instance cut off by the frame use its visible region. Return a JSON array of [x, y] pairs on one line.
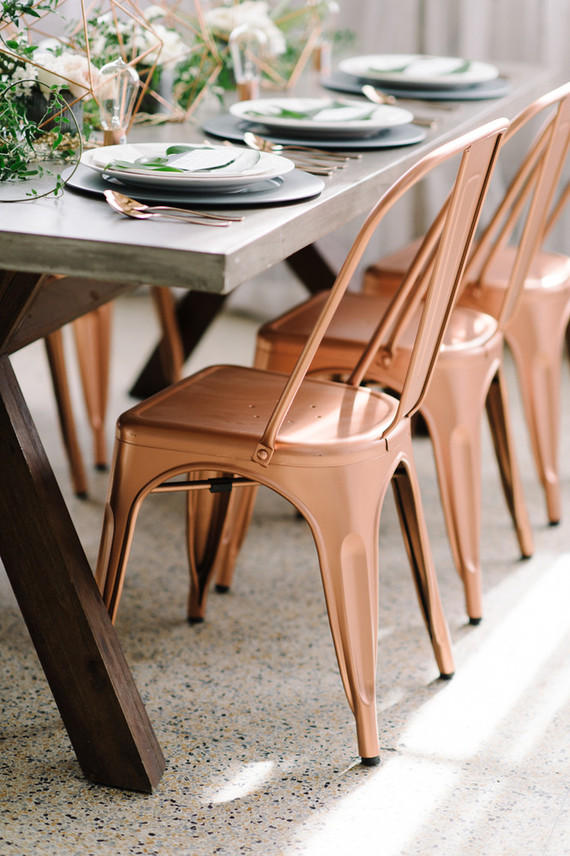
[[557, 210], [478, 152], [519, 187], [461, 221], [528, 200], [547, 181], [404, 301]]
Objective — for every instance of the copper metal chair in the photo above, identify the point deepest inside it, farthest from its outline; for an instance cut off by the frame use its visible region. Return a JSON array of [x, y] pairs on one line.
[[330, 448], [535, 314], [468, 376], [92, 336]]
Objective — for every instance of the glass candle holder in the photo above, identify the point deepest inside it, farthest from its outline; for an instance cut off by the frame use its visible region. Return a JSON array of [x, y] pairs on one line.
[[326, 12], [116, 94], [247, 45]]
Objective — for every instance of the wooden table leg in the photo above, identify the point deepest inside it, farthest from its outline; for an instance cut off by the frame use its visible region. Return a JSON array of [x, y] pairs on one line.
[[196, 310], [71, 630], [312, 269]]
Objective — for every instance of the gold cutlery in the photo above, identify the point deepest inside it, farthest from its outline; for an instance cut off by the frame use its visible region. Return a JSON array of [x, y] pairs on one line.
[[383, 98], [306, 164], [314, 161], [263, 145], [379, 97], [132, 208]]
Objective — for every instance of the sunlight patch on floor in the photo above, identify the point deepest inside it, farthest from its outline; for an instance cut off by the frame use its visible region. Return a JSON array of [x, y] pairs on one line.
[[456, 722], [395, 801], [245, 782], [400, 796]]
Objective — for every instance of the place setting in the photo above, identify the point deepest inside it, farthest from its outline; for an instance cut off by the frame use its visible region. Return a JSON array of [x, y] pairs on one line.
[[419, 77], [322, 125], [187, 174]]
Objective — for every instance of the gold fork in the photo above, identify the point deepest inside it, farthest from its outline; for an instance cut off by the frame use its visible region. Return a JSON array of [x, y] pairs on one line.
[[382, 97], [263, 145], [132, 208]]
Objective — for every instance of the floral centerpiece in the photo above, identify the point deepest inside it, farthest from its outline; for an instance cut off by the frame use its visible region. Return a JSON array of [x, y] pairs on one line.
[[291, 29], [144, 40], [178, 57], [39, 86]]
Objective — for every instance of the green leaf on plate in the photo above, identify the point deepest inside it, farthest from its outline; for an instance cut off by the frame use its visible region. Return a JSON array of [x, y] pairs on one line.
[[286, 113], [465, 66], [181, 148], [162, 164], [397, 69], [211, 168]]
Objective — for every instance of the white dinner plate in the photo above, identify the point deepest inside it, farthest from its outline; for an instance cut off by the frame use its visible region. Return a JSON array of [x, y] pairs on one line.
[[199, 166], [420, 69], [321, 116]]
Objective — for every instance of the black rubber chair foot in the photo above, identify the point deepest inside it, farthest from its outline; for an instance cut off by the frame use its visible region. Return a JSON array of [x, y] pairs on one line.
[[373, 761], [554, 522], [195, 620], [102, 468], [526, 556], [222, 589], [82, 494], [446, 676], [475, 621]]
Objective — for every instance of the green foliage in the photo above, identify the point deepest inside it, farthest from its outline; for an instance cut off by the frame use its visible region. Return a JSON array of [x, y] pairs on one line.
[[28, 141], [13, 10]]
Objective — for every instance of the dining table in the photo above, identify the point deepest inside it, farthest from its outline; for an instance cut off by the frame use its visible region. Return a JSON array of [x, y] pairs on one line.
[[102, 255]]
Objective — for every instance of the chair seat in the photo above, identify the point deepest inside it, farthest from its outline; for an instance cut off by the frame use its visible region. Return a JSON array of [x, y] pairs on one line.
[[325, 419], [356, 320], [548, 276], [548, 272]]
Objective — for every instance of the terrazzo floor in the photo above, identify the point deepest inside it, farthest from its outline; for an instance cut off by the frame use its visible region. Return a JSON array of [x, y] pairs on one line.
[[249, 708]]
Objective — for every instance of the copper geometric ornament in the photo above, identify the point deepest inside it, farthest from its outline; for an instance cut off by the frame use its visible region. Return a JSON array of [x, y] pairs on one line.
[[146, 36]]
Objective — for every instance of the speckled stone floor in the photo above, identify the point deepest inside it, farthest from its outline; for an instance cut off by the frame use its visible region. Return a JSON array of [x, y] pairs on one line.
[[249, 708]]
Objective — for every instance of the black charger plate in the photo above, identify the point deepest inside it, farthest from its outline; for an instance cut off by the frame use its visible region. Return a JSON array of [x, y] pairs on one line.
[[228, 127], [339, 81], [296, 186]]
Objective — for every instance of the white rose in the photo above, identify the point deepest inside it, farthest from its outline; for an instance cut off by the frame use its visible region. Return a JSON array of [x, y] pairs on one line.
[[172, 48], [23, 77], [166, 45], [151, 13], [255, 12], [70, 71], [49, 45]]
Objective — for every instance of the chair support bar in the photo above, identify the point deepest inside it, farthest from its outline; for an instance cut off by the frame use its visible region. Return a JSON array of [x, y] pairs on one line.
[[215, 485]]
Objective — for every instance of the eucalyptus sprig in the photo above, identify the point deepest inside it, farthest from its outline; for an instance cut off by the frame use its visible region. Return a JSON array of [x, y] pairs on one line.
[[166, 162], [12, 11], [31, 144]]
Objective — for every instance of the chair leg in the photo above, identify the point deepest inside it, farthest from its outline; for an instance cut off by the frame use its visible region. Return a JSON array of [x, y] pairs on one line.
[[93, 344], [452, 409], [347, 545], [56, 360], [536, 338], [499, 423], [408, 502], [237, 523], [206, 521], [170, 347], [216, 525], [131, 473]]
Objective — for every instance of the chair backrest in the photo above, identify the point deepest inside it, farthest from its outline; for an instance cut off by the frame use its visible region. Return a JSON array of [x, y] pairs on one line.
[[441, 259], [528, 200]]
